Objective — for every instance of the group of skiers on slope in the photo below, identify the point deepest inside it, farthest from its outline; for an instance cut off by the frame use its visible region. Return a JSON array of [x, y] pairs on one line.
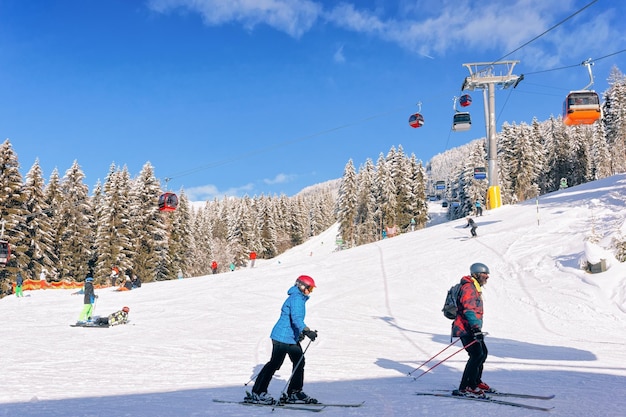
[[127, 283], [290, 330], [89, 299]]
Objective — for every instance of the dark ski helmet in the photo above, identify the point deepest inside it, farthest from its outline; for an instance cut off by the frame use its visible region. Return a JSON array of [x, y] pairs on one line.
[[305, 282], [125, 309], [478, 268]]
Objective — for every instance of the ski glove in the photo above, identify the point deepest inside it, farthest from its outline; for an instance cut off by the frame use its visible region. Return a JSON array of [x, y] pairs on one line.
[[478, 335], [311, 334]]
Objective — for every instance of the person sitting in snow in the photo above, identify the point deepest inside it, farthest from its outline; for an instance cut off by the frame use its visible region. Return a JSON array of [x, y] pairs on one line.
[[115, 273], [113, 319], [128, 284]]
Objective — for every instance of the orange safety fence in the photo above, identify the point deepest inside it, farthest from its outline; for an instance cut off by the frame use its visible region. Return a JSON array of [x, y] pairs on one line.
[[33, 284]]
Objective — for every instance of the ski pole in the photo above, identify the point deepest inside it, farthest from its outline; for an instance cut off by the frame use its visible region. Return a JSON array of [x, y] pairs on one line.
[[434, 356], [295, 368], [442, 361], [93, 309], [252, 379], [257, 374]]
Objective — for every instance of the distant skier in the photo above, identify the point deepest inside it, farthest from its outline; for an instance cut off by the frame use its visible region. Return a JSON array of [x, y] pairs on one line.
[[19, 281], [43, 283], [88, 300], [479, 208], [472, 224], [214, 267], [115, 273]]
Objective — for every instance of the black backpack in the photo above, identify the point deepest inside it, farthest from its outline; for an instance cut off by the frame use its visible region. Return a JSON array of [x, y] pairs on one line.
[[452, 299]]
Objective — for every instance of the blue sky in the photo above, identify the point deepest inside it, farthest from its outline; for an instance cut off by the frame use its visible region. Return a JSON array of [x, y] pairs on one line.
[[270, 96]]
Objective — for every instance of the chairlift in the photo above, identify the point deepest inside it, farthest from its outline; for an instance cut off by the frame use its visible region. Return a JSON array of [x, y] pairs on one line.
[[480, 173], [168, 201], [582, 107], [440, 185], [417, 120]]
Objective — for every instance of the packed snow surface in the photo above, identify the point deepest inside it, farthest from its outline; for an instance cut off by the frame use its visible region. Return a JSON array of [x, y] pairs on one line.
[[553, 327]]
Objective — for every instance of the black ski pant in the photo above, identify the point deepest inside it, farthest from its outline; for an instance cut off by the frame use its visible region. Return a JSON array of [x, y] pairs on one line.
[[474, 368], [279, 351]]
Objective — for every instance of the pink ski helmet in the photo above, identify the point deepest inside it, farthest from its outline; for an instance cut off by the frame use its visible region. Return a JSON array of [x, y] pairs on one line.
[[305, 282]]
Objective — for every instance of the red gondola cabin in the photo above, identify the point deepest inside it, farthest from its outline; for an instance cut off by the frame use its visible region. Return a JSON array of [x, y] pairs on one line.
[[416, 120], [5, 252], [465, 100], [168, 202]]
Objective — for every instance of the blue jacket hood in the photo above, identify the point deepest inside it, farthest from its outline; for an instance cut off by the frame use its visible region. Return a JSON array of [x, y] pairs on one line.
[[291, 321]]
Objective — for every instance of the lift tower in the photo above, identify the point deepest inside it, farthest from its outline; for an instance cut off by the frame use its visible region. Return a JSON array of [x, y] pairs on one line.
[[482, 76]]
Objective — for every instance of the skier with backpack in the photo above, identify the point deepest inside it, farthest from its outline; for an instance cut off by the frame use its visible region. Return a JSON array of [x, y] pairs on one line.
[[467, 325]]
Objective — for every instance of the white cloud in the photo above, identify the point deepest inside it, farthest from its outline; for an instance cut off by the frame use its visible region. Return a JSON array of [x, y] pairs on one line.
[[210, 192], [427, 28], [279, 179], [294, 17]]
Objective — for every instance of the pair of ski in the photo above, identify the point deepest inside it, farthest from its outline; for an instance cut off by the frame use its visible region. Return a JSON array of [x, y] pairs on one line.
[[492, 397], [314, 407], [89, 324]]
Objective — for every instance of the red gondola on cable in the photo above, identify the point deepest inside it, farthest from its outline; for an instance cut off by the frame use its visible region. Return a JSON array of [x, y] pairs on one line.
[[168, 201], [5, 252], [416, 120], [465, 100]]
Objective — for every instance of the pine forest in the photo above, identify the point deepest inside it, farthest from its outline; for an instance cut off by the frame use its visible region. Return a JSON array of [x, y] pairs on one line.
[[58, 226]]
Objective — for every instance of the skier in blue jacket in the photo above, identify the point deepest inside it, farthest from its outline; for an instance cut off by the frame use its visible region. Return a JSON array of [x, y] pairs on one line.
[[286, 336]]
